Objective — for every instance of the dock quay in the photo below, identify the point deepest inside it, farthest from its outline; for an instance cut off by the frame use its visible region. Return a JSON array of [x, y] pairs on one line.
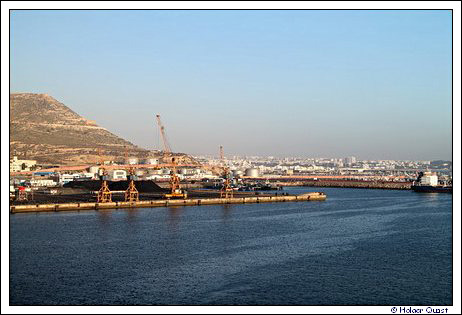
[[314, 196]]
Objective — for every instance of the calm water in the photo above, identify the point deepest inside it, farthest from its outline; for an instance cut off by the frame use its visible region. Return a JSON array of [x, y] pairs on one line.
[[364, 247]]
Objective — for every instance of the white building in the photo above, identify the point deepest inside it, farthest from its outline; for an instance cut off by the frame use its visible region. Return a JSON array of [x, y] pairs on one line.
[[42, 183], [158, 177], [152, 161], [350, 160], [21, 165], [66, 178], [190, 171], [132, 161], [117, 175]]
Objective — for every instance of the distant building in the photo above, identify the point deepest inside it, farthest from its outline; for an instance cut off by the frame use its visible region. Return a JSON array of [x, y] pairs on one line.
[[349, 160], [21, 165], [42, 182], [158, 177], [44, 174], [152, 161], [132, 160], [189, 171], [118, 175], [66, 178]]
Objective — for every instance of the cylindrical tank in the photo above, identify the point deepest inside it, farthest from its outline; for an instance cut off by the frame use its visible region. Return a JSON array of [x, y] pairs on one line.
[[237, 173], [251, 172], [94, 169]]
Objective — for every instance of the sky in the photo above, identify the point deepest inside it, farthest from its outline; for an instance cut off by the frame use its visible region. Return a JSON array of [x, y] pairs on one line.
[[370, 84]]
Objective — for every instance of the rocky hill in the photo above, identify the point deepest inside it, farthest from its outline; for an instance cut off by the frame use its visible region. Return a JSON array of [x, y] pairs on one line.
[[43, 129]]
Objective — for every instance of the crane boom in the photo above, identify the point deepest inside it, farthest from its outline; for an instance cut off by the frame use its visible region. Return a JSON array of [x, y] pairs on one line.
[[167, 148], [175, 189]]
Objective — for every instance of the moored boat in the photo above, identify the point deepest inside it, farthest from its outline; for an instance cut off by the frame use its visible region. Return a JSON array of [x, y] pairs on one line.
[[427, 182]]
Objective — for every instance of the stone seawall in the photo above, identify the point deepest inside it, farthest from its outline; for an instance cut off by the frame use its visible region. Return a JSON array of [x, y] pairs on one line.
[[350, 184], [316, 196]]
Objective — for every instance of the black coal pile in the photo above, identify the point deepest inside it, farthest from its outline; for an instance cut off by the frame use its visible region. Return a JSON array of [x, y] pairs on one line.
[[143, 186]]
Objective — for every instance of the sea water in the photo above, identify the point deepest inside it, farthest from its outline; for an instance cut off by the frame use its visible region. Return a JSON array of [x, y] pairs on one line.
[[359, 247]]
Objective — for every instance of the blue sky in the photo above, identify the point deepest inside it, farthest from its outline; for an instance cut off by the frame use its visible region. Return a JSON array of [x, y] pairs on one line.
[[373, 84]]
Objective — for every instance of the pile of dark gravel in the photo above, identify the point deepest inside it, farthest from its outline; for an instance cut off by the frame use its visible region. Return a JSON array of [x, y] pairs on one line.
[[143, 186]]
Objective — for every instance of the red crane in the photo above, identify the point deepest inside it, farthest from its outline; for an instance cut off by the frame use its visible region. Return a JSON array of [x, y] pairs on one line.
[[175, 189]]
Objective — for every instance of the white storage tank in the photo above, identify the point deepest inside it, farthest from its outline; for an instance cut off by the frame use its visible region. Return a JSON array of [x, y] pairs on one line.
[[251, 172], [94, 170], [237, 173]]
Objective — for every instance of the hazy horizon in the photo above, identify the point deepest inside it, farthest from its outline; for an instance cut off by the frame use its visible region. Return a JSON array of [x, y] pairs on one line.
[[376, 85]]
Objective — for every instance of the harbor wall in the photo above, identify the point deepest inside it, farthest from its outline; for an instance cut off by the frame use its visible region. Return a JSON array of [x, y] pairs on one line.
[[349, 184], [163, 203]]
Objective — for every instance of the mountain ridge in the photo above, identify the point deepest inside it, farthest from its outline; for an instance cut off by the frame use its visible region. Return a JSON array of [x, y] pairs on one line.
[[46, 130]]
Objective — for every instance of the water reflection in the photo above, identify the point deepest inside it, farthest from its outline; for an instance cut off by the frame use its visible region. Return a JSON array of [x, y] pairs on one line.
[[431, 196], [132, 214], [226, 213], [173, 219], [227, 231], [104, 217]]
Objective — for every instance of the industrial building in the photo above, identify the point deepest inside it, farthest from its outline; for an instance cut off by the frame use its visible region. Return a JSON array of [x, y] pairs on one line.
[[17, 165], [117, 175]]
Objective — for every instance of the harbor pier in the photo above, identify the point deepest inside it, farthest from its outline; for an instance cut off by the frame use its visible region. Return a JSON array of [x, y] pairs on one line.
[[314, 196]]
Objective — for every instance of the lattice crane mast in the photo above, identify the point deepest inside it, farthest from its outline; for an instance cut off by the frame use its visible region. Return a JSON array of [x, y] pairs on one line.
[[175, 189], [104, 194], [131, 194], [226, 191]]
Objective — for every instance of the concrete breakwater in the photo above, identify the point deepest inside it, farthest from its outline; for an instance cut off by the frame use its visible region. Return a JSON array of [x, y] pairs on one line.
[[315, 196], [350, 184]]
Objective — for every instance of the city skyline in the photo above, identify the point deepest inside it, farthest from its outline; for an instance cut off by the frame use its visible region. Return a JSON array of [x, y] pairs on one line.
[[370, 84]]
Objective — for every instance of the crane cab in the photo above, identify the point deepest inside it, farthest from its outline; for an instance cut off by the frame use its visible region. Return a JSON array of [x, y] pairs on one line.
[[177, 193]]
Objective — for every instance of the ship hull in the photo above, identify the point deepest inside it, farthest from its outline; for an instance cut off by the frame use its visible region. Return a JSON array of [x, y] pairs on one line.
[[432, 189]]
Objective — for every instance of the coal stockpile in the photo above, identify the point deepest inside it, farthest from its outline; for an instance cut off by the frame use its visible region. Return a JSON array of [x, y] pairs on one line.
[[143, 186], [40, 197]]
